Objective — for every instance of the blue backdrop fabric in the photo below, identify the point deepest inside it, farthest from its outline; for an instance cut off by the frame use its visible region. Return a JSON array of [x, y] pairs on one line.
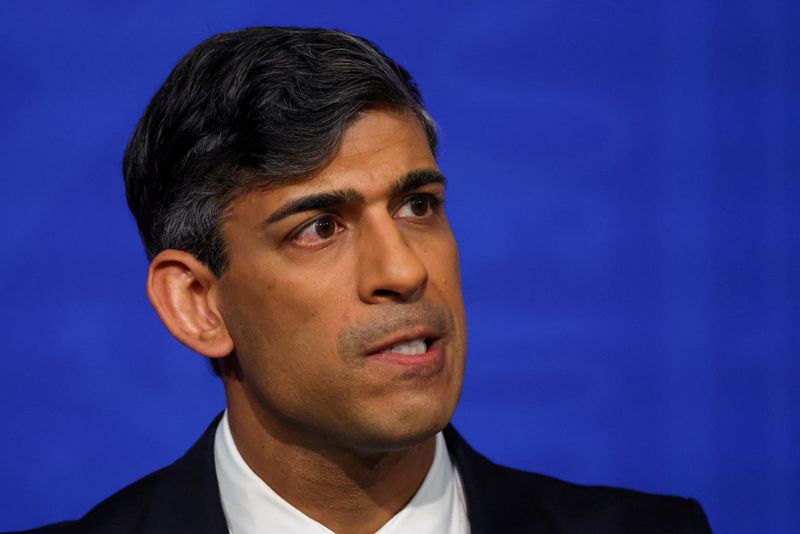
[[623, 182]]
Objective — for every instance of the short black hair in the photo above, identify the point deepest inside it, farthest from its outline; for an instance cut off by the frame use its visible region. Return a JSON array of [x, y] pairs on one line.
[[248, 109]]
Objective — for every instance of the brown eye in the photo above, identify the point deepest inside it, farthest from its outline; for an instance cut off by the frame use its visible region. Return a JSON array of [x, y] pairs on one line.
[[419, 205], [318, 232], [325, 228]]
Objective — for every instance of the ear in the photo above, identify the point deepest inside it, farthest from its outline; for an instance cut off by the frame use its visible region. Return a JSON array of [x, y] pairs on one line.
[[184, 293]]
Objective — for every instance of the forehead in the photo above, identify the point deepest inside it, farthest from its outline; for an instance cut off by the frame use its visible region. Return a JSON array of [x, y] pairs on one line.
[[383, 144], [374, 152]]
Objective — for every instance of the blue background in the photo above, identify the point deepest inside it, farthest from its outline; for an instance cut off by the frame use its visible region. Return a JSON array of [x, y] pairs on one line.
[[623, 182]]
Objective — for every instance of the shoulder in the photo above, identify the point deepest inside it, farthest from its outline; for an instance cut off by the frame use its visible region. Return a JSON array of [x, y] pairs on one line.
[[183, 497], [579, 508], [509, 500]]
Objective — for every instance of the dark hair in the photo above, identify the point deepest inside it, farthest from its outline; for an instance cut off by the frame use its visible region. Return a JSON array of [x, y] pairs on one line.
[[249, 109], [245, 110]]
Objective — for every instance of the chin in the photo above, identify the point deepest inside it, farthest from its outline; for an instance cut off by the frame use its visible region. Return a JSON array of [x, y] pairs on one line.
[[386, 440], [404, 428]]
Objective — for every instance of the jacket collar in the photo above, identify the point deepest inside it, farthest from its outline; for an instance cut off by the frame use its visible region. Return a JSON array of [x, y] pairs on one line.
[[187, 497], [497, 498]]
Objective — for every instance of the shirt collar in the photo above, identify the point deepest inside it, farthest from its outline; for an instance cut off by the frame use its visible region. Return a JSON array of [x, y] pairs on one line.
[[251, 506]]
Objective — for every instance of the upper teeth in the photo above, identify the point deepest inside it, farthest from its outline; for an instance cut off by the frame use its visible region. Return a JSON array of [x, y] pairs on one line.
[[409, 347]]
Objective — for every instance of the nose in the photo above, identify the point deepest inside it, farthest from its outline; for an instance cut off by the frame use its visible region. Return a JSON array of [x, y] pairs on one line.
[[390, 269]]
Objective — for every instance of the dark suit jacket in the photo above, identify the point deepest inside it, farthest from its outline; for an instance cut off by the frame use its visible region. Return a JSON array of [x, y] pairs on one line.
[[184, 498]]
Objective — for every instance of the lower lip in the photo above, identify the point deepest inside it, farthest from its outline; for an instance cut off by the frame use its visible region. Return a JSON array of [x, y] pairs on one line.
[[430, 357]]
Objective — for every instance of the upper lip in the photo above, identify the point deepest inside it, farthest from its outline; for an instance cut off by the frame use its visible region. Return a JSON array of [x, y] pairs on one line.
[[422, 332]]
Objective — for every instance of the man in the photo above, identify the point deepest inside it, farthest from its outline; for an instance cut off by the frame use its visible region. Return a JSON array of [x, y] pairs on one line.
[[287, 192]]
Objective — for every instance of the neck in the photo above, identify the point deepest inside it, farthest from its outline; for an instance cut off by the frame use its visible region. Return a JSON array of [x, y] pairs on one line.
[[347, 490]]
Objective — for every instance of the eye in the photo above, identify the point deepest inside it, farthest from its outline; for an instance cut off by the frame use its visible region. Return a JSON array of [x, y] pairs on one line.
[[418, 206], [317, 231]]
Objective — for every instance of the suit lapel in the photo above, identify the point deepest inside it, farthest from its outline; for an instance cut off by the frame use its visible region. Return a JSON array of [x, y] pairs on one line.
[[495, 500], [187, 496]]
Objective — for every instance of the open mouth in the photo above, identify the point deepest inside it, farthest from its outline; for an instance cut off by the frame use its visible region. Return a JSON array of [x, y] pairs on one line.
[[411, 352], [410, 348]]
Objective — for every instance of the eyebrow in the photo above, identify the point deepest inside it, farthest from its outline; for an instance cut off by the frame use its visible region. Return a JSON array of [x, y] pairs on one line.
[[338, 197], [317, 201], [416, 179]]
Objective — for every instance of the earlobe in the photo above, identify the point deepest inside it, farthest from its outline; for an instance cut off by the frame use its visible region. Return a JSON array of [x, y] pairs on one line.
[[183, 292]]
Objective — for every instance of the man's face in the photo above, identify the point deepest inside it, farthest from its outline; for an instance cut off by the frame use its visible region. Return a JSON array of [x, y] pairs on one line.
[[343, 294]]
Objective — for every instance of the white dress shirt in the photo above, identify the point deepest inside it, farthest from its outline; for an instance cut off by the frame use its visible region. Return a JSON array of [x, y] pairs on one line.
[[252, 507]]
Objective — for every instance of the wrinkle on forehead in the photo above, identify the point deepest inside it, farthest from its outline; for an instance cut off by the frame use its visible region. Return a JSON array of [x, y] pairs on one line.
[[371, 146]]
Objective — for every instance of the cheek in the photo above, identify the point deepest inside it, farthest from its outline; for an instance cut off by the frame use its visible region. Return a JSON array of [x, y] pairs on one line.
[[443, 267], [284, 330], [445, 262], [284, 355]]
